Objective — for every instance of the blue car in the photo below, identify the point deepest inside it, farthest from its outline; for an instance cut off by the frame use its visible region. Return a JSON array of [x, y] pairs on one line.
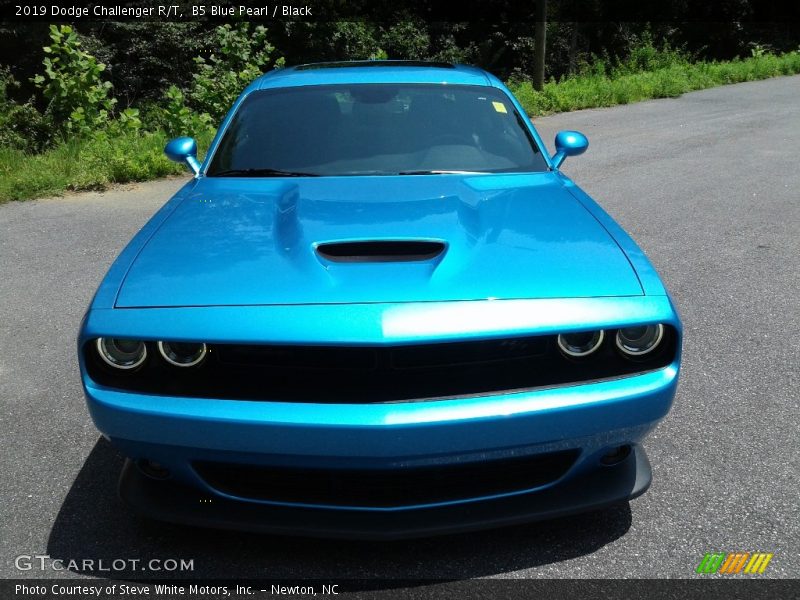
[[379, 310]]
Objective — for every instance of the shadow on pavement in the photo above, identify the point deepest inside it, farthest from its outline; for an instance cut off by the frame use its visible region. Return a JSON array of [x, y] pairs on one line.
[[94, 524]]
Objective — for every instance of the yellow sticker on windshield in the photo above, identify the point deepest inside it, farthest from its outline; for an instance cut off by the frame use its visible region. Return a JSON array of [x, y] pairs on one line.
[[500, 107]]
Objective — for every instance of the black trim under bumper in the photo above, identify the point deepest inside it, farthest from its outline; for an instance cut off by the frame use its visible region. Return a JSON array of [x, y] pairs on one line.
[[173, 502]]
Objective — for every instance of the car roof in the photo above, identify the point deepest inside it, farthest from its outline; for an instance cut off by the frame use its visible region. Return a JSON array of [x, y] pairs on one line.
[[374, 71]]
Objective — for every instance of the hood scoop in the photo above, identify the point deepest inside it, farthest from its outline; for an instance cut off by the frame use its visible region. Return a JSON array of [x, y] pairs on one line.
[[375, 251]]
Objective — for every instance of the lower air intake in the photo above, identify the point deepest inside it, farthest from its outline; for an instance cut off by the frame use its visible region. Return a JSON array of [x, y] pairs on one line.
[[382, 488]]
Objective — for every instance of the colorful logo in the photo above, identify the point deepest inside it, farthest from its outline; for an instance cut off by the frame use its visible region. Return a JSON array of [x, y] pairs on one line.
[[732, 563]]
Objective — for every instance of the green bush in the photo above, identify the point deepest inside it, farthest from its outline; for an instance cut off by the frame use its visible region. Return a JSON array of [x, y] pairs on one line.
[[89, 164], [644, 56], [242, 55], [128, 120], [77, 95], [22, 126], [103, 148], [177, 119], [407, 40], [670, 76]]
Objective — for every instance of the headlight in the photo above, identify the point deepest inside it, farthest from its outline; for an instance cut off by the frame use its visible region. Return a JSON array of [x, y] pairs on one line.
[[183, 354], [122, 354], [580, 344], [636, 341]]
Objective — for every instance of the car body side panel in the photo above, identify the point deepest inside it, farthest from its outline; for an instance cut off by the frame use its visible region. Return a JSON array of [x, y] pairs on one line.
[[648, 276], [106, 294]]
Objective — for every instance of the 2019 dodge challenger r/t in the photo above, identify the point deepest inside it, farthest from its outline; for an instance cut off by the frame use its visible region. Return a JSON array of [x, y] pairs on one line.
[[379, 310]]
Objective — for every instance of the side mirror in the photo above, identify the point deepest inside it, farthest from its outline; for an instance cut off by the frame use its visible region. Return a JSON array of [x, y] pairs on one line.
[[569, 143], [183, 150]]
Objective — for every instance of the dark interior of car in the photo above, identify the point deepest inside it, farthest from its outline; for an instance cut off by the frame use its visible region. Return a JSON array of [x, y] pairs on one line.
[[377, 129]]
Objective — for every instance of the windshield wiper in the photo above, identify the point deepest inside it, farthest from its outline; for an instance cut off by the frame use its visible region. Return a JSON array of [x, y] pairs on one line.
[[264, 172], [431, 172]]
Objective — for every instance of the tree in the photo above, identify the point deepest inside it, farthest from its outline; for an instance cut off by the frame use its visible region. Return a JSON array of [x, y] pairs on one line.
[[72, 83], [540, 32]]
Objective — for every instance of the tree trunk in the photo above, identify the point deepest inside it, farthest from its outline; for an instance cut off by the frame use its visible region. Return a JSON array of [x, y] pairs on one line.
[[573, 49], [539, 41]]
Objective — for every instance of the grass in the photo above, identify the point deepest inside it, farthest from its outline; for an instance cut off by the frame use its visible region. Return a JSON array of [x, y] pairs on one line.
[[82, 165], [137, 156], [621, 86]]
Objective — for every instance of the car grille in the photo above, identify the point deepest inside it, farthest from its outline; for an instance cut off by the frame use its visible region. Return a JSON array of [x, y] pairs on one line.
[[386, 488], [373, 374]]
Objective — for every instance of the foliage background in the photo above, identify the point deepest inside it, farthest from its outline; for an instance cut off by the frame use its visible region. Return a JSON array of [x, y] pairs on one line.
[[145, 58], [67, 91]]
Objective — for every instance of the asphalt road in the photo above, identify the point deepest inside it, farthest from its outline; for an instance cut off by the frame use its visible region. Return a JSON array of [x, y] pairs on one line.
[[707, 184]]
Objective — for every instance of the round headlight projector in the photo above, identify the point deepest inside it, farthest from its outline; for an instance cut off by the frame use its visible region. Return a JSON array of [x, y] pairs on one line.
[[580, 344], [183, 354], [637, 341], [122, 354]]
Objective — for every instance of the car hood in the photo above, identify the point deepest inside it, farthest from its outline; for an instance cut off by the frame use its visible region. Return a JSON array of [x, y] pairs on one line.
[[257, 241]]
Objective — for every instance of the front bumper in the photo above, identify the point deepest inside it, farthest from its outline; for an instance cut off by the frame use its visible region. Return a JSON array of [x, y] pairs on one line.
[[588, 419], [173, 502]]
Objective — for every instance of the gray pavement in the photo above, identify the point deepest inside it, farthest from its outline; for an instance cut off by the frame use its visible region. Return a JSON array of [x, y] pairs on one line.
[[708, 185]]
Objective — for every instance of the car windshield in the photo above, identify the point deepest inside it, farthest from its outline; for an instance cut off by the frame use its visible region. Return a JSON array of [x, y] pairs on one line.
[[375, 129]]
